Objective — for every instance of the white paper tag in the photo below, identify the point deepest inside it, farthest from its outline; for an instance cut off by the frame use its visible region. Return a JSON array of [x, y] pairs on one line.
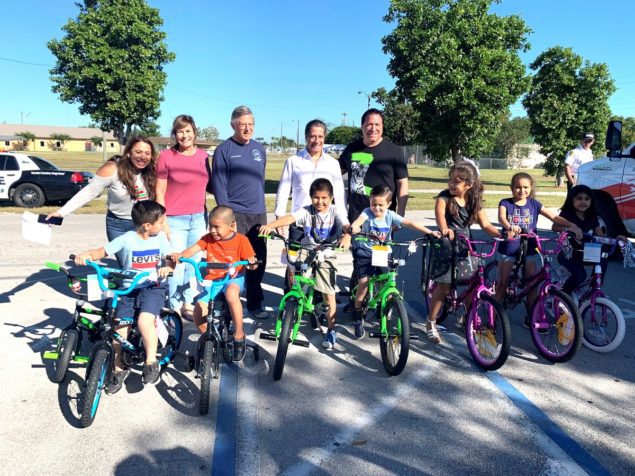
[[92, 288], [162, 331], [380, 256], [34, 231], [592, 252], [412, 247]]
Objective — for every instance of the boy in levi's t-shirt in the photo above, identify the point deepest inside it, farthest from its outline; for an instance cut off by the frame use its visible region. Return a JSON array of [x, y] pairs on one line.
[[224, 245], [141, 249]]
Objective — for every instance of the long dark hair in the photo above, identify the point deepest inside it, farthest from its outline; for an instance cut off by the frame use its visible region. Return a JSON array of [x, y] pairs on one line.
[[473, 197], [126, 171], [568, 208]]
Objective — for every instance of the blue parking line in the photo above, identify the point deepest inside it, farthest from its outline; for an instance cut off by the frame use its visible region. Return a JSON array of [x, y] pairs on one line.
[[578, 454], [224, 458]]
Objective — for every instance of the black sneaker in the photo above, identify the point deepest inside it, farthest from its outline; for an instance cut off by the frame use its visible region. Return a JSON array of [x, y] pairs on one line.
[[359, 324], [116, 381], [239, 349], [151, 373]]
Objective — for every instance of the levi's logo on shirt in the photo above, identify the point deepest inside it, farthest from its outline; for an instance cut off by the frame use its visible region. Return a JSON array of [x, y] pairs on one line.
[[146, 259]]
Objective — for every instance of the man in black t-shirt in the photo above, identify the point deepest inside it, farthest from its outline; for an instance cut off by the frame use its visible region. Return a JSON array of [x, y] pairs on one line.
[[373, 161]]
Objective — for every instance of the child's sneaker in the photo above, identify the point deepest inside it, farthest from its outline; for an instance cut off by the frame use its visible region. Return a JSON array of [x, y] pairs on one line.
[[330, 339], [359, 324], [116, 381], [151, 373]]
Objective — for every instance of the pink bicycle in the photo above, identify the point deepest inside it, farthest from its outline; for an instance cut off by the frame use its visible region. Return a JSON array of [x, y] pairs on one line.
[[487, 329]]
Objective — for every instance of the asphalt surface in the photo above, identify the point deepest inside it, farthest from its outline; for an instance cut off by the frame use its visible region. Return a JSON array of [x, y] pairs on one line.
[[333, 412]]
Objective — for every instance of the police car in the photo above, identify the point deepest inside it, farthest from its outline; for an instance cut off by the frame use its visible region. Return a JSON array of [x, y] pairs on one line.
[[30, 181]]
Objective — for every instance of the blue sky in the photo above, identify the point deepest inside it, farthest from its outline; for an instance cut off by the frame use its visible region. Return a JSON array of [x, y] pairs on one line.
[[290, 61]]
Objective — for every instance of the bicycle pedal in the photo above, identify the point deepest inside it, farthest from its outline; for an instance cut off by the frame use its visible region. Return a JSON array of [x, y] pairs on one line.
[[267, 336], [51, 355], [301, 343]]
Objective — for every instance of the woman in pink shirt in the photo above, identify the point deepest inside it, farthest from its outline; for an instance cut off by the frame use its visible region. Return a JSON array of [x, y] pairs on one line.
[[183, 173]]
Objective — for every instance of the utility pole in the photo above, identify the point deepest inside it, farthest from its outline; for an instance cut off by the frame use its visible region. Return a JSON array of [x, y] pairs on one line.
[[367, 97], [297, 136], [344, 114], [281, 137]]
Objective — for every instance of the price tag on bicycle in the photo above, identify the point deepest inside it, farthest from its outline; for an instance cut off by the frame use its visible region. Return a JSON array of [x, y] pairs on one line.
[[380, 256], [592, 252], [93, 291]]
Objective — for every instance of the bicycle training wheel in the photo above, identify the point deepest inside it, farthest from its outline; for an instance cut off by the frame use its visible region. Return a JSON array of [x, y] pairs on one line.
[[395, 343], [96, 378], [488, 333], [205, 374], [603, 324], [174, 325], [288, 318], [66, 347], [559, 336]]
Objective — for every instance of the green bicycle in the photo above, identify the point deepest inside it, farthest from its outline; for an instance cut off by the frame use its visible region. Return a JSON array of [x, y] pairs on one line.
[[299, 300], [386, 300]]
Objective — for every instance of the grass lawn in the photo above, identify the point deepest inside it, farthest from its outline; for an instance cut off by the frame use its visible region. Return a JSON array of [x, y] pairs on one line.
[[422, 177]]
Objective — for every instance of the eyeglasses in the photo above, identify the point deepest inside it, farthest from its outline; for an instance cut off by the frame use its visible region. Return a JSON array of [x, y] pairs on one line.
[[244, 125]]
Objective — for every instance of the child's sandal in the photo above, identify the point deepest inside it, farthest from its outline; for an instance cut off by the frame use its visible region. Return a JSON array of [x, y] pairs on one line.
[[433, 333]]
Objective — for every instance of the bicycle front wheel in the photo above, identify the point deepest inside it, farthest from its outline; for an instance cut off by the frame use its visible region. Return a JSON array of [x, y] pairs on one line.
[[395, 342], [556, 327], [488, 333], [66, 348], [288, 318], [205, 374], [173, 324], [97, 375], [604, 325]]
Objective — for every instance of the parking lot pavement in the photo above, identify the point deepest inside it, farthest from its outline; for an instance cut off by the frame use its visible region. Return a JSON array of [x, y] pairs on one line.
[[332, 412]]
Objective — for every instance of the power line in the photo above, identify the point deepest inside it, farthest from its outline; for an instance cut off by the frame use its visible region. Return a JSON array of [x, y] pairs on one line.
[[26, 62]]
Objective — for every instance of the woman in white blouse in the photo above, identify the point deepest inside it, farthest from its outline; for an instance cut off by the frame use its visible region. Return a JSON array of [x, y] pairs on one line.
[[301, 169], [129, 178]]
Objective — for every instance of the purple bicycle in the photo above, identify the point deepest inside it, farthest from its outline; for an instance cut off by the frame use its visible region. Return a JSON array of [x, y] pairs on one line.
[[554, 322], [487, 329]]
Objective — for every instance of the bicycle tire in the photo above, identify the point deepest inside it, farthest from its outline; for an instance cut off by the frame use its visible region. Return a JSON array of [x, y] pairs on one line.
[[288, 318], [97, 374], [563, 338], [174, 326], [605, 336], [489, 346], [395, 344], [228, 354], [67, 346], [205, 374]]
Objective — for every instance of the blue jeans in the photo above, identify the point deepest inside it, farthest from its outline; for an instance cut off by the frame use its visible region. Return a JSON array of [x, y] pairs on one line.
[[115, 227], [185, 230]]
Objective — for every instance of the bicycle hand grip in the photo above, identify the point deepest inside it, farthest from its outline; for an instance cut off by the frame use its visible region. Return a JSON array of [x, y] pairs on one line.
[[53, 266], [72, 257]]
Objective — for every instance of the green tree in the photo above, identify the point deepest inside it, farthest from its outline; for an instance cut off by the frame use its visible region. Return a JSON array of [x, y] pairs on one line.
[[512, 132], [567, 97], [110, 61], [458, 66], [28, 136], [628, 129], [400, 117], [208, 133], [343, 135], [97, 140], [150, 129]]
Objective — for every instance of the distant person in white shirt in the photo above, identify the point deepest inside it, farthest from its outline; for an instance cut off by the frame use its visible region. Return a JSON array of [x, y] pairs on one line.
[[301, 169], [576, 157]]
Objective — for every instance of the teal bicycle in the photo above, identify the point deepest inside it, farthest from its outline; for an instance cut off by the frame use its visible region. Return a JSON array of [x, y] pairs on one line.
[[299, 301], [387, 301]]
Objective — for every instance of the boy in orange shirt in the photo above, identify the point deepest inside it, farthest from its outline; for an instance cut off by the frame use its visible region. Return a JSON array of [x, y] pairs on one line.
[[224, 245]]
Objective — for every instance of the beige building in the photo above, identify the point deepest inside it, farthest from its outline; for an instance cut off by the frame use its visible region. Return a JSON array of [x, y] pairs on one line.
[[47, 138]]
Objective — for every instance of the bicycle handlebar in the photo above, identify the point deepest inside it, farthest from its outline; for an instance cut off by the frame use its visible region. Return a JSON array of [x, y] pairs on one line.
[[562, 237], [480, 254], [103, 272], [203, 264], [312, 248], [361, 235]]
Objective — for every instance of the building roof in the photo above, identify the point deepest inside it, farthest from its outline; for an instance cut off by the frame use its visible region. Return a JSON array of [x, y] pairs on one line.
[[45, 132]]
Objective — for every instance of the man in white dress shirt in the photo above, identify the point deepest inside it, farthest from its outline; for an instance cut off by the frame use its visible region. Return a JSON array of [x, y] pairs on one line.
[[576, 157]]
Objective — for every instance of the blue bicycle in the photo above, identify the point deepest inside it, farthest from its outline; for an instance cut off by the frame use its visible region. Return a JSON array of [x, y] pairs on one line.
[[115, 283], [218, 338]]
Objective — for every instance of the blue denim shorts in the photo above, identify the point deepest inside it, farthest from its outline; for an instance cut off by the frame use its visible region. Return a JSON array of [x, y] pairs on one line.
[[239, 280], [150, 299]]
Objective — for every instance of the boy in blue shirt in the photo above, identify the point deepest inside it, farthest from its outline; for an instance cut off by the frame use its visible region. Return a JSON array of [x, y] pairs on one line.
[[377, 220], [142, 250]]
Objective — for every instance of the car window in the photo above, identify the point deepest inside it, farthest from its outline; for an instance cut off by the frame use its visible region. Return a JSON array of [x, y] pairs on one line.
[[42, 164], [8, 162]]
